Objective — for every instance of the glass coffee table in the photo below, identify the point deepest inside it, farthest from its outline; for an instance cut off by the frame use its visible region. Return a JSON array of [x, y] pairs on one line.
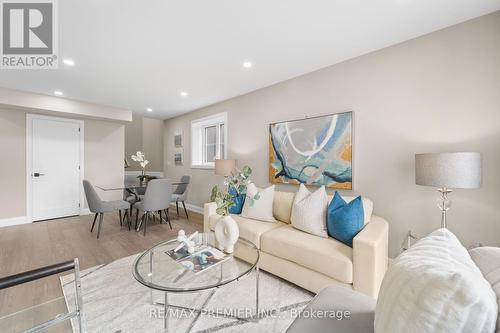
[[158, 271]]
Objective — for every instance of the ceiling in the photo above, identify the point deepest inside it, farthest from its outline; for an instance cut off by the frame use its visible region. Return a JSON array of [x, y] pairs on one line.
[[143, 54]]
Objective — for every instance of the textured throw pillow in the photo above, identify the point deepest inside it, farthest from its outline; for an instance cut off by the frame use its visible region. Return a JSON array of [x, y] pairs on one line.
[[367, 206], [435, 287], [487, 260], [309, 211], [239, 200], [262, 208], [344, 220]]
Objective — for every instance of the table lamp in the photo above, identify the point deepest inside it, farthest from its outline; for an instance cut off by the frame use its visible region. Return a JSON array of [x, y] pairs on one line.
[[224, 167], [447, 171]]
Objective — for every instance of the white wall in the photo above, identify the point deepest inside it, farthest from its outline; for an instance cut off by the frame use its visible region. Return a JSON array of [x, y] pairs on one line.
[[436, 93], [60, 107]]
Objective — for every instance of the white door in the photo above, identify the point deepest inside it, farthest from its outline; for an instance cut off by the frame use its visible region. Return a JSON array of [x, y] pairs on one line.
[[55, 167]]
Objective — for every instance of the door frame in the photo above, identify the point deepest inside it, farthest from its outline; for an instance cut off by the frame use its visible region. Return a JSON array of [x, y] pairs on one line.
[[29, 160]]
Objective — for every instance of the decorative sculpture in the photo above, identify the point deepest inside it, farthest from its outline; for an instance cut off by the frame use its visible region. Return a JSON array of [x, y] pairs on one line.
[[226, 234], [185, 241]]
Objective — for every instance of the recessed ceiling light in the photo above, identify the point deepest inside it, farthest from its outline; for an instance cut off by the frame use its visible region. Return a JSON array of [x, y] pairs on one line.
[[184, 93], [58, 93], [247, 64], [69, 62], [149, 110]]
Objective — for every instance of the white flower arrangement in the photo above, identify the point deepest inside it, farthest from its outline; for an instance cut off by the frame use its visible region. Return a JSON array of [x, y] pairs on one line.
[[141, 158]]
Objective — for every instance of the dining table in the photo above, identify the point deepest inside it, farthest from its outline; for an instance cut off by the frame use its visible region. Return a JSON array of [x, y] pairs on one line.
[[131, 187]]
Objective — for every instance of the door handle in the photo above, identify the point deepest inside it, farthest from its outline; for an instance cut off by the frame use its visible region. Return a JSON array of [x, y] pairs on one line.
[[37, 174]]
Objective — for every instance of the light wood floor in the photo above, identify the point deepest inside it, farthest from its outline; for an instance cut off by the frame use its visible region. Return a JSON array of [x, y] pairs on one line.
[[31, 246]]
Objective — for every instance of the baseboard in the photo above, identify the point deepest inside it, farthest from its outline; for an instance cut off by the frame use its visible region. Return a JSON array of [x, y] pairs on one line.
[[158, 174], [194, 208], [14, 221], [85, 211]]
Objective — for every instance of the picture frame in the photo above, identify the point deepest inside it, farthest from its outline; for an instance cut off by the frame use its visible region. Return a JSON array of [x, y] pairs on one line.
[[178, 139], [179, 157], [313, 151]]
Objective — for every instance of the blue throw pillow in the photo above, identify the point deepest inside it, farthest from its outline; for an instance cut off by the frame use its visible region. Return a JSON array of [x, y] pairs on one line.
[[239, 200], [345, 220]]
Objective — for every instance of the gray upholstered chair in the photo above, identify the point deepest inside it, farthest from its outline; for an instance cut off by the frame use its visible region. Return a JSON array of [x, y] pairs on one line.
[[132, 196], [156, 199], [180, 194], [337, 299], [99, 207]]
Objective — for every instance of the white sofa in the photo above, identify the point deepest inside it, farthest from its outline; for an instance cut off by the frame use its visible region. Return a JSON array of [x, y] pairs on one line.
[[310, 261]]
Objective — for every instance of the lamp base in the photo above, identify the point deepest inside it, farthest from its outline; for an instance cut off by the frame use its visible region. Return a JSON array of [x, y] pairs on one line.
[[409, 240], [444, 205]]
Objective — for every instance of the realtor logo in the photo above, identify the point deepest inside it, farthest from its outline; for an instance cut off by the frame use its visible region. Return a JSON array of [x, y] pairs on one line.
[[29, 38]]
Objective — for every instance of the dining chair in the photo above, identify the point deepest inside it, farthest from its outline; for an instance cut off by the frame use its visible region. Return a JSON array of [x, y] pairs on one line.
[[156, 199], [180, 194], [132, 192], [99, 207]]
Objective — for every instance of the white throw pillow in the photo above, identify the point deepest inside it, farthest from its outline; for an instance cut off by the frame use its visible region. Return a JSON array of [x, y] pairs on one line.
[[261, 209], [487, 260], [435, 287], [309, 211]]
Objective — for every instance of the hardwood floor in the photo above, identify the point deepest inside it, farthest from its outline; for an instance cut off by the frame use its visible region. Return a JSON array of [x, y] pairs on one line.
[[31, 246]]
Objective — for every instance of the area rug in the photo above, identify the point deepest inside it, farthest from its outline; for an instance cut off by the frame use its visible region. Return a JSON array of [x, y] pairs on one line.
[[115, 302]]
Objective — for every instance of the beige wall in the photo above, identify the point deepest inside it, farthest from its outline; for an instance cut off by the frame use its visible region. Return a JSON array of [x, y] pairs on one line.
[[152, 142], [103, 146], [104, 151], [133, 141], [13, 164], [436, 93], [146, 135]]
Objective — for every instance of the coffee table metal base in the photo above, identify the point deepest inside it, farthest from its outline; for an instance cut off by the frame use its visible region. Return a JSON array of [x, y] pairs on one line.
[[199, 311]]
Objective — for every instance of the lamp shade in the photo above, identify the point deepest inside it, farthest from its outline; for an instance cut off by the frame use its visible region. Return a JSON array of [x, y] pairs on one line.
[[224, 167], [448, 170]]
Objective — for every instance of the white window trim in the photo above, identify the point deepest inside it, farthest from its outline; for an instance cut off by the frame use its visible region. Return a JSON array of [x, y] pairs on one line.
[[197, 135]]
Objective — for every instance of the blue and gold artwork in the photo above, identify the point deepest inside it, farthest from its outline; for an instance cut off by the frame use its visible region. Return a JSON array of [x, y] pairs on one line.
[[314, 151]]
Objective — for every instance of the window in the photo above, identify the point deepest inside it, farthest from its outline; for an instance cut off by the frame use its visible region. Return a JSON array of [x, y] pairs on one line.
[[208, 137]]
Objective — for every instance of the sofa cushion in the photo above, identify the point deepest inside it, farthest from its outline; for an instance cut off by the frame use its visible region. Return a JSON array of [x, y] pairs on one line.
[[238, 199], [487, 260], [435, 287], [282, 206], [324, 255], [367, 206], [344, 220], [309, 211], [250, 229], [283, 202], [336, 300], [259, 204]]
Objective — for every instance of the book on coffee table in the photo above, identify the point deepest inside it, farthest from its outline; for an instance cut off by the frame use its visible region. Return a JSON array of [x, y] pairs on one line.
[[204, 259], [179, 255]]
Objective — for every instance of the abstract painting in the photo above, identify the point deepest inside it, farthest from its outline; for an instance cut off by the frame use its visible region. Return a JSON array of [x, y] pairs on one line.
[[314, 151]]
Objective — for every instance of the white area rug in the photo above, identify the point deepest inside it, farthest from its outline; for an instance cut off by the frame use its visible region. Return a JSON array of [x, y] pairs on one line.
[[115, 302]]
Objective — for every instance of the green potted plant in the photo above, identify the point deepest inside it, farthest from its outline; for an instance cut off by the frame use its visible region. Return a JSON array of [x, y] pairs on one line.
[[235, 188]]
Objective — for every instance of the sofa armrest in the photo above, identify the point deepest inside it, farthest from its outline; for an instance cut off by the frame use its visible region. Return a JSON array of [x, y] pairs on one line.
[[370, 256], [209, 209]]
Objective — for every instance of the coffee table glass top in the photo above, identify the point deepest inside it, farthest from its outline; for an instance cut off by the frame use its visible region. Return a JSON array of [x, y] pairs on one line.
[[157, 270]]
